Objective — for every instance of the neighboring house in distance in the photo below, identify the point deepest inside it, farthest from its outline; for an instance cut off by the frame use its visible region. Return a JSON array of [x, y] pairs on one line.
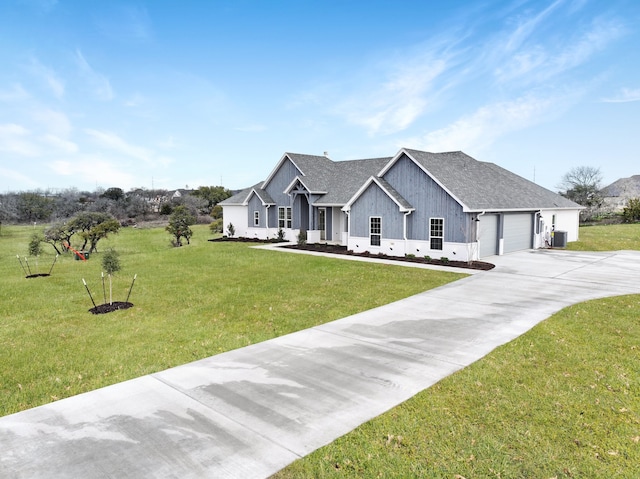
[[618, 193], [419, 203]]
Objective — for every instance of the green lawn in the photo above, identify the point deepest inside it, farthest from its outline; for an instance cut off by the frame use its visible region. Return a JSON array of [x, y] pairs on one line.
[[189, 303], [561, 401], [607, 238]]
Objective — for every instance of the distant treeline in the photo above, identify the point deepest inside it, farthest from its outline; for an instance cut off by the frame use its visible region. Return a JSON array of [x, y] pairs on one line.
[[135, 205]]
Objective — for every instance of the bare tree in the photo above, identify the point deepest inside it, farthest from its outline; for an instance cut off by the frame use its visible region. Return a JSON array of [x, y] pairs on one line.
[[582, 184]]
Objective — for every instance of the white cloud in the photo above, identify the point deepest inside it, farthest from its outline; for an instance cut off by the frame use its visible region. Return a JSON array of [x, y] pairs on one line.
[[61, 144], [53, 121], [126, 23], [95, 170], [527, 28], [539, 62], [134, 101], [483, 127], [98, 82], [169, 143], [15, 93], [18, 140], [252, 128], [114, 142], [10, 176], [395, 104], [625, 95], [55, 84]]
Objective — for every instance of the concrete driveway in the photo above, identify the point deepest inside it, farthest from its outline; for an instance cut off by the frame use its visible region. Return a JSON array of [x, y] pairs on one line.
[[250, 412]]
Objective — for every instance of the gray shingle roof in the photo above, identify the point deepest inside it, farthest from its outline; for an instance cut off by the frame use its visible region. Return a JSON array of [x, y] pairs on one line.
[[625, 187], [347, 177], [317, 170], [486, 186], [240, 197], [477, 185]]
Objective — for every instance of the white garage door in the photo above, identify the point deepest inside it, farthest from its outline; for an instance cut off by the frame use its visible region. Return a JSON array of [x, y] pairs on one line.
[[518, 232], [488, 235]]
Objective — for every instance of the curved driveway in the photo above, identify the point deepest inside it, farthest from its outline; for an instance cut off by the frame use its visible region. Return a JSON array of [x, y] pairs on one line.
[[249, 412]]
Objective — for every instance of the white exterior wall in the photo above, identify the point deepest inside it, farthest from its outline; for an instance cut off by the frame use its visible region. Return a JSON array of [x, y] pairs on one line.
[[566, 220], [236, 215], [452, 251]]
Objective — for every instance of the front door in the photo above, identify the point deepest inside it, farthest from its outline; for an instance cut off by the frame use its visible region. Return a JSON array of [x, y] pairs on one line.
[[322, 223]]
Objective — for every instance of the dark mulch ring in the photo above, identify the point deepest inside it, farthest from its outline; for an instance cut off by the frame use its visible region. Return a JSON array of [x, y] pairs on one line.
[[335, 249], [38, 275], [107, 308]]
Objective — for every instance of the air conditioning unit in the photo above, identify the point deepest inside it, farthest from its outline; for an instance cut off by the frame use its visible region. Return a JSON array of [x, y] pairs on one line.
[[559, 239]]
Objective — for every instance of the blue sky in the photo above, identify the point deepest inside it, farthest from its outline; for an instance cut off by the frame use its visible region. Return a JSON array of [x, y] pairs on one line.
[[166, 94]]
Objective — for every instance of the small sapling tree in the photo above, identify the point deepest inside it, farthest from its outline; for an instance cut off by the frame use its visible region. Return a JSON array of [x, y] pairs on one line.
[[179, 225], [231, 230], [111, 264], [35, 247]]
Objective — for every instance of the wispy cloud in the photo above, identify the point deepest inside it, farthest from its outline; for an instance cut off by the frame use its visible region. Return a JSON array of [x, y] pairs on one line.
[[625, 95], [481, 128], [102, 172], [17, 177], [49, 76], [15, 93], [251, 128], [126, 23], [527, 26], [53, 121], [17, 139], [113, 142], [60, 144], [134, 101], [544, 58], [98, 83], [394, 104]]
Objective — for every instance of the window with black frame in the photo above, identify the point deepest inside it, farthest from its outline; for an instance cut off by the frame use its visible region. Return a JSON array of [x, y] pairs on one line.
[[436, 233], [375, 230]]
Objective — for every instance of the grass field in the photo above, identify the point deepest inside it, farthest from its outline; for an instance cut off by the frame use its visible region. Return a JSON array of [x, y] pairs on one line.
[[561, 401], [189, 303], [607, 238]]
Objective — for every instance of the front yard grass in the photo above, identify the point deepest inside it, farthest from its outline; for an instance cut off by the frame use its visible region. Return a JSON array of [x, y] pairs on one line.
[[561, 401], [189, 303], [607, 238]]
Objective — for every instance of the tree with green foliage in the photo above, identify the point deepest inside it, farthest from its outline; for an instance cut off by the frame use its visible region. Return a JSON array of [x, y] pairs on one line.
[[93, 226], [216, 212], [115, 194], [111, 264], [58, 233], [212, 195], [216, 226], [34, 207], [179, 225], [631, 212], [35, 244]]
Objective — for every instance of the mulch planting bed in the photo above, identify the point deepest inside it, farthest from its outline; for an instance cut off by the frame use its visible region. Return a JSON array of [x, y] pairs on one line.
[[107, 308], [336, 249]]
